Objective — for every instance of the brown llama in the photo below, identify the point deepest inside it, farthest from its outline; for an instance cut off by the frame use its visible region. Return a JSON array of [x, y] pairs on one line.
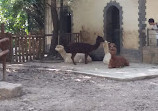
[[116, 61], [85, 48]]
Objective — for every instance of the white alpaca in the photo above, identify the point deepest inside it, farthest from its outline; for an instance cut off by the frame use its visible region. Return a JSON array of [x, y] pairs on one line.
[[107, 56], [80, 57]]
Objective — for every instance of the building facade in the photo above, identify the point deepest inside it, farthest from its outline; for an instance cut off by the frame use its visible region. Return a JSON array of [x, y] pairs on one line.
[[123, 22]]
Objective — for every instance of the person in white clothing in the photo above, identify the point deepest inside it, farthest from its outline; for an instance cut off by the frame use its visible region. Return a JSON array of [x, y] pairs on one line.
[[154, 27]]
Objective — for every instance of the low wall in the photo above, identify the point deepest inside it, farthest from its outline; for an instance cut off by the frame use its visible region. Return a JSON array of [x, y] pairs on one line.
[[150, 54]]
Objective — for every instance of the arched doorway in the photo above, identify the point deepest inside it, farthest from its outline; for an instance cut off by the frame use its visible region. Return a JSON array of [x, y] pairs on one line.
[[112, 26]]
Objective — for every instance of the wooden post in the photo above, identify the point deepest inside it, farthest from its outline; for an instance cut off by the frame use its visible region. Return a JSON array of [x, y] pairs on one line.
[[11, 48], [4, 47], [4, 68]]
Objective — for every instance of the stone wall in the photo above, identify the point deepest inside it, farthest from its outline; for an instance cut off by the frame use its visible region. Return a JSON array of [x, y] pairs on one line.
[[150, 54]]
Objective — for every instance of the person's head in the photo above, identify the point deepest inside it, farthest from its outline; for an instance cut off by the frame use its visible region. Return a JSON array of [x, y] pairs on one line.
[[151, 21]]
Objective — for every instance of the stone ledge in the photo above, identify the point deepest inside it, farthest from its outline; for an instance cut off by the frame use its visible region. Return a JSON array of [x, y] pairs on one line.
[[10, 90], [150, 54]]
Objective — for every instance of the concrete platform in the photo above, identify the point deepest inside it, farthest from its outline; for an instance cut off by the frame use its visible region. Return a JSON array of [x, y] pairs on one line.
[[10, 90], [133, 72]]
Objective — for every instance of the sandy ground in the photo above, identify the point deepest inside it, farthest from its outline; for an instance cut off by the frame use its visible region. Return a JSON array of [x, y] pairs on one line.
[[57, 90]]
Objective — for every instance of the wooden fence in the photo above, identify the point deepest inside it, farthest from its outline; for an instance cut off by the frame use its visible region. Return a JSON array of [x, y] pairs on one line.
[[26, 47], [68, 38], [23, 48], [72, 37]]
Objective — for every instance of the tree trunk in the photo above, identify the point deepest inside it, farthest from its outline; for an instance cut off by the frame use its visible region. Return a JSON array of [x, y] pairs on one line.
[[54, 40]]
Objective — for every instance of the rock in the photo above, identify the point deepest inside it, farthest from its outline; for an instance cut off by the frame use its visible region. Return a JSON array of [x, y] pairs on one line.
[[10, 90]]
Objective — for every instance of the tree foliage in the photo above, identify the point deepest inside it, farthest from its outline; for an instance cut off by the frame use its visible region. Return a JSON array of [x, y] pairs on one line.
[[57, 23], [22, 15], [28, 15]]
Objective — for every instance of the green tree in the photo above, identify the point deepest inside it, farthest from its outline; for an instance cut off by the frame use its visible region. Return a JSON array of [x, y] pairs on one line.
[[13, 19], [22, 15], [57, 24], [55, 20], [28, 15]]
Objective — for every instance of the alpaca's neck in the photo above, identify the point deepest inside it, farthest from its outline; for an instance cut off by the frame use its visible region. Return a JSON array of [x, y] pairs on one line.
[[63, 54], [113, 56], [106, 49], [96, 45]]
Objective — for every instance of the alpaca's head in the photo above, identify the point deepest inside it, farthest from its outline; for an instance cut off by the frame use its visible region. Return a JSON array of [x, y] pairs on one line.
[[59, 48], [112, 49], [99, 39]]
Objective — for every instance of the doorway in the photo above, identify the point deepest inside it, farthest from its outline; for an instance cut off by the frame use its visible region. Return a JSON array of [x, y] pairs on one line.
[[65, 26], [113, 26], [67, 21]]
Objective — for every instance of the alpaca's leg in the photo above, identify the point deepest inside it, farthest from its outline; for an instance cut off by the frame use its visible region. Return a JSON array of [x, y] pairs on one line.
[[72, 57], [110, 65], [125, 62], [86, 55]]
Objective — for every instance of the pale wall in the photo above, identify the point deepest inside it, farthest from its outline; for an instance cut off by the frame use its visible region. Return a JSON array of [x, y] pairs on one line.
[[151, 10], [89, 14]]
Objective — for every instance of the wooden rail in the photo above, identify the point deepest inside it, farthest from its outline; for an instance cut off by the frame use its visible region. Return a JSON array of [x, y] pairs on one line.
[[22, 47], [27, 47], [4, 50], [4, 42], [72, 37], [68, 37]]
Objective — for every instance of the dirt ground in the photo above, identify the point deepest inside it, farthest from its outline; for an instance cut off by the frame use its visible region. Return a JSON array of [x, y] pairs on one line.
[[55, 90]]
